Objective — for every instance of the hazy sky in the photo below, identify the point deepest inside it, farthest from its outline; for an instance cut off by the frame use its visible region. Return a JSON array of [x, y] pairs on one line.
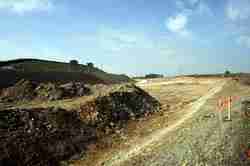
[[130, 36]]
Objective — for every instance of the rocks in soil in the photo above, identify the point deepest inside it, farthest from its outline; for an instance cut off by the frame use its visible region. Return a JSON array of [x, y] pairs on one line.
[[209, 116], [22, 90], [115, 108], [75, 89], [41, 136], [46, 136], [26, 90], [49, 92]]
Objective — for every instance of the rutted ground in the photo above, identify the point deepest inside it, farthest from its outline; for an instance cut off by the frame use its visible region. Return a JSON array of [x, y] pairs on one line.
[[157, 136], [186, 130], [176, 99], [203, 139]]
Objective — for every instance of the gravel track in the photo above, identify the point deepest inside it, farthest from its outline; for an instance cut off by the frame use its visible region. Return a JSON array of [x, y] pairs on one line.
[[132, 156]]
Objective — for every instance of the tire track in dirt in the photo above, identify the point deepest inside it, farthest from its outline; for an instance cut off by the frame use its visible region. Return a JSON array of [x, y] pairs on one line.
[[191, 109]]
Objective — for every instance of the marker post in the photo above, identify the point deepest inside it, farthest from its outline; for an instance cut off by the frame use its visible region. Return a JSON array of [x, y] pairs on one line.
[[229, 108], [220, 109]]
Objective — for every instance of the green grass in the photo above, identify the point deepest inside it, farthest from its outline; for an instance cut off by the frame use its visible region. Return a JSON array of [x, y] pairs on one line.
[[32, 68]]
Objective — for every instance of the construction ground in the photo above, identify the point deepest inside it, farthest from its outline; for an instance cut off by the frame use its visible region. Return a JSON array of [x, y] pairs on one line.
[[189, 131]]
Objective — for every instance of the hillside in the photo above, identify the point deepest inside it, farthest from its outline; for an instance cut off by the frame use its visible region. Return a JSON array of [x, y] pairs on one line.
[[46, 71]]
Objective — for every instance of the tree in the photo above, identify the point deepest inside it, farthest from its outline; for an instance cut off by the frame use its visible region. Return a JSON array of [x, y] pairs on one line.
[[73, 62], [74, 65], [90, 65], [227, 73]]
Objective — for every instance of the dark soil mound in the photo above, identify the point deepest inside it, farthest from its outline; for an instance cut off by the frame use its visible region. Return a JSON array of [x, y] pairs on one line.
[[25, 90], [41, 136], [113, 109], [75, 89], [46, 136], [49, 91]]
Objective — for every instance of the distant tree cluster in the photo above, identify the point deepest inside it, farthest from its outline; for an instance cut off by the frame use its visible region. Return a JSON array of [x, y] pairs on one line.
[[90, 65], [73, 62], [74, 65], [227, 73], [154, 76]]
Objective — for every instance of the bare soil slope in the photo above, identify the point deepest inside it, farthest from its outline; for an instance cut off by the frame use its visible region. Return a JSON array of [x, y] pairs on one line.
[[46, 136]]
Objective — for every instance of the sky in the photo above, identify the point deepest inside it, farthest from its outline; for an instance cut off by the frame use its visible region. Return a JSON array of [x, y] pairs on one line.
[[133, 37]]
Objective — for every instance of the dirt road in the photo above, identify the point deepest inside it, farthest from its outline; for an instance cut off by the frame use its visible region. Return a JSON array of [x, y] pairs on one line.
[[198, 137], [159, 135], [188, 132]]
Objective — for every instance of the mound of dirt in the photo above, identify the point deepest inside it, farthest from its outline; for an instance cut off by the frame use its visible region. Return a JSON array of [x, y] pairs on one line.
[[22, 90], [116, 107], [41, 136], [75, 89], [26, 90], [49, 91], [46, 136]]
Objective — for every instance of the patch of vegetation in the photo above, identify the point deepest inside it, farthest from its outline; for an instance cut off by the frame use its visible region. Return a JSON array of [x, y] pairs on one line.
[[42, 70], [154, 76], [149, 76], [227, 73], [12, 77]]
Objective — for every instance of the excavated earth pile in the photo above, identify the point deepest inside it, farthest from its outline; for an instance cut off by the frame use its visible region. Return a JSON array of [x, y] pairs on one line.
[[46, 136], [22, 90], [26, 90], [41, 136], [113, 109]]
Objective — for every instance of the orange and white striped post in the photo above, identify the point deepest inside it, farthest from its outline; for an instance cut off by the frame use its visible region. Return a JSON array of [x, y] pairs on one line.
[[230, 101], [220, 109], [226, 103], [229, 104]]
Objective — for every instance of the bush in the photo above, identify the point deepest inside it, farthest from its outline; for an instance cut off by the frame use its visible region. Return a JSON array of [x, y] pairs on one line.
[[90, 65], [74, 62], [227, 73]]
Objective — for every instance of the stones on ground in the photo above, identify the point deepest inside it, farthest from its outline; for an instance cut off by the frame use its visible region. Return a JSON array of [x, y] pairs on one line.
[[120, 104], [45, 136], [21, 91], [41, 136], [25, 90], [209, 116], [75, 89], [49, 92]]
